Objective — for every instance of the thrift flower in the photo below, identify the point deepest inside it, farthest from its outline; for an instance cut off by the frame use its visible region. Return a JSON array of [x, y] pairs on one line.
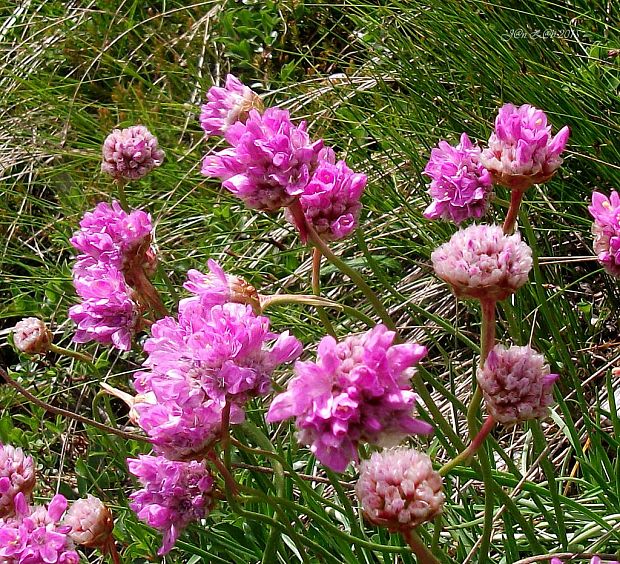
[[399, 489], [31, 336], [91, 522], [516, 384], [17, 475], [357, 390], [174, 495], [606, 230], [227, 106], [460, 185], [481, 262], [130, 154], [270, 162], [522, 151]]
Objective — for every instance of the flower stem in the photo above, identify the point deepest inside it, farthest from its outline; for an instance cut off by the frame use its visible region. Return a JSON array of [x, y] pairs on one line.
[[466, 455], [487, 337], [110, 548], [513, 211], [122, 196], [316, 290], [419, 548], [68, 352], [146, 291]]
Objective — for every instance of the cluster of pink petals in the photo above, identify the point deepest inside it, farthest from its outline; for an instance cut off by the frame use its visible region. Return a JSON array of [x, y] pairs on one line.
[[17, 475], [91, 522], [34, 535], [481, 262], [606, 230], [31, 336], [227, 106], [209, 358], [595, 560], [516, 384], [130, 154], [357, 390], [174, 494], [522, 151], [270, 160], [399, 489], [331, 200], [460, 185]]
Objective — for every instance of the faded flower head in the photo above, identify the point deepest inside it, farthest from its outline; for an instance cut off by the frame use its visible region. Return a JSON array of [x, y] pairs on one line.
[[130, 154], [91, 522], [460, 185], [522, 151], [481, 262], [228, 105], [358, 390], [606, 230], [174, 494], [331, 200], [17, 475], [517, 384], [31, 336], [399, 489], [270, 160]]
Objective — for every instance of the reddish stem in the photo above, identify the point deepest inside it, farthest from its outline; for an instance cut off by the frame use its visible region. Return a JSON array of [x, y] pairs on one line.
[[513, 211], [423, 554]]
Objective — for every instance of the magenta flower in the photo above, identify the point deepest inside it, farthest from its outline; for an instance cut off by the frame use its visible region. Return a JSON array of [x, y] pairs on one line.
[[331, 200], [522, 151], [460, 186], [399, 489], [114, 238], [481, 262], [595, 560], [31, 336], [606, 230], [17, 475], [107, 313], [516, 384], [357, 390], [174, 495], [227, 106], [130, 154], [270, 162], [90, 521]]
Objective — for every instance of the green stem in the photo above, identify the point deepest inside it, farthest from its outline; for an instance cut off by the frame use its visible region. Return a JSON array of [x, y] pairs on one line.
[[122, 196], [513, 211], [161, 271], [74, 354], [425, 556], [316, 290], [489, 505], [465, 456]]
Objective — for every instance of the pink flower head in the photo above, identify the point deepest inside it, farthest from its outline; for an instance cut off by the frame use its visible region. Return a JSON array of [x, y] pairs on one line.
[[130, 154], [218, 288], [35, 536], [606, 230], [331, 200], [595, 560], [460, 186], [91, 522], [31, 336], [113, 237], [399, 489], [522, 151], [17, 475], [481, 262], [517, 384], [270, 162], [107, 313], [174, 495], [227, 106], [357, 390]]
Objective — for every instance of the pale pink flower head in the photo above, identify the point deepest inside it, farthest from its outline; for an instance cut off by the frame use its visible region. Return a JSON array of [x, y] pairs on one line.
[[17, 475], [331, 200], [460, 185], [481, 262], [91, 522], [358, 390], [517, 384], [399, 489], [130, 154], [228, 105], [174, 494], [270, 160], [31, 336], [522, 151], [606, 230]]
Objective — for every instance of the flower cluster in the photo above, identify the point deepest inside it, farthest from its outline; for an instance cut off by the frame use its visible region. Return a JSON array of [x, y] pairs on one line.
[[595, 560], [31, 336], [357, 390], [130, 154], [517, 384], [17, 475], [91, 523], [175, 494], [399, 489], [606, 230]]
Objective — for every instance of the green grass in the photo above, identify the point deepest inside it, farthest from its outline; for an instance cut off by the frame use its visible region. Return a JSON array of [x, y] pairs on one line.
[[404, 75]]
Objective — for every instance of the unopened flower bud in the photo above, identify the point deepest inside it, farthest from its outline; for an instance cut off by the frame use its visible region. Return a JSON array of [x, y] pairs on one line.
[[91, 522], [17, 475], [31, 336], [130, 154]]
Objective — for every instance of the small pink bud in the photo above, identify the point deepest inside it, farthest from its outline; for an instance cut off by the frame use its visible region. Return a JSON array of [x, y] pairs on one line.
[[91, 522], [31, 336]]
